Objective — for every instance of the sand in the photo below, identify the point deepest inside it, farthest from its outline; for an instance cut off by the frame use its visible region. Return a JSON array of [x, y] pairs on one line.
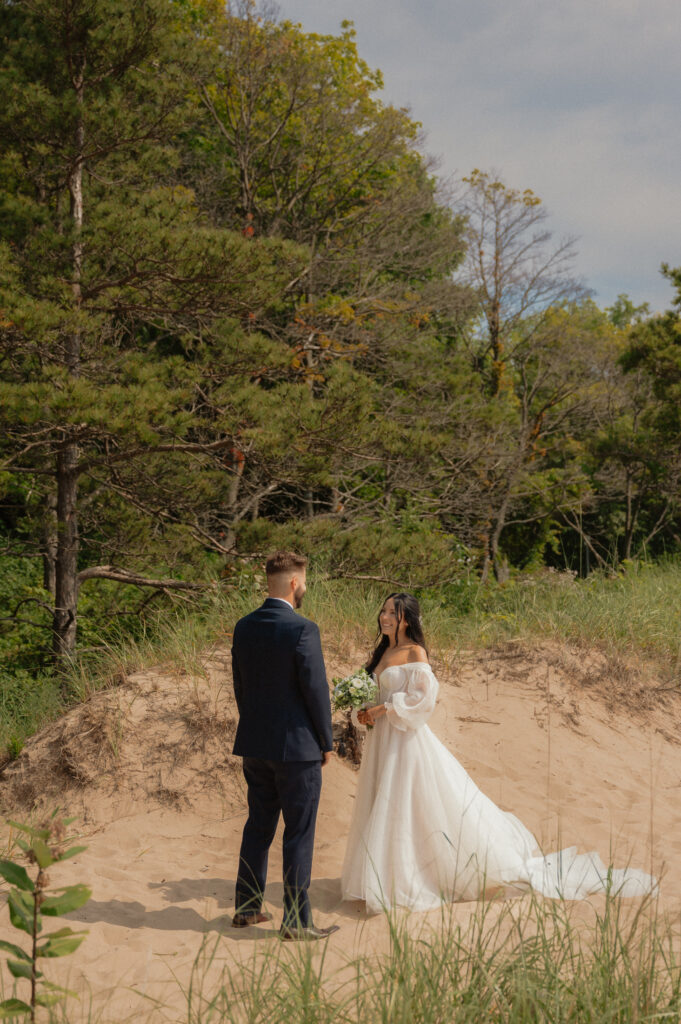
[[583, 748]]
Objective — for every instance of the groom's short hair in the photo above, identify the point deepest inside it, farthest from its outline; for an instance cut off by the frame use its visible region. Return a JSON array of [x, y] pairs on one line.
[[285, 561]]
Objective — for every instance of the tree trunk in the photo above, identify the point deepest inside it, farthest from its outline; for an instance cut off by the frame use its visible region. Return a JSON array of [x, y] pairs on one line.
[[50, 543], [499, 561], [496, 345], [493, 558], [66, 567], [629, 520]]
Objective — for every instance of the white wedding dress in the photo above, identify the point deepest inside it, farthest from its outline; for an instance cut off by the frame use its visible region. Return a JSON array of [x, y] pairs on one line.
[[422, 832]]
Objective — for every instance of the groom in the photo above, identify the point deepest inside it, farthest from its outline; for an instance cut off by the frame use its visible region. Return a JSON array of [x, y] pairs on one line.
[[284, 736]]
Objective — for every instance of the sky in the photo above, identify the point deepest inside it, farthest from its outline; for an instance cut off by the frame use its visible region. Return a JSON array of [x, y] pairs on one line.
[[578, 100]]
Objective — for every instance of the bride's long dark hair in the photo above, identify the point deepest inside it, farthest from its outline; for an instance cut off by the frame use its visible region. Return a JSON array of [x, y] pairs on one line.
[[407, 608]]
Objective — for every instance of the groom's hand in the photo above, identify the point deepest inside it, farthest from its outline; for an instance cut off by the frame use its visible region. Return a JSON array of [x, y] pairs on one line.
[[326, 756]]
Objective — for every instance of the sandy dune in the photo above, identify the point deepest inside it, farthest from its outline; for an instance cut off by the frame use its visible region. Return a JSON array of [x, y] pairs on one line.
[[585, 749]]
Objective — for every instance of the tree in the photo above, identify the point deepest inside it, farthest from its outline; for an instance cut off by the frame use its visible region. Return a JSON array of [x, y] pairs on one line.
[[529, 345], [515, 271], [295, 141], [118, 301], [643, 443]]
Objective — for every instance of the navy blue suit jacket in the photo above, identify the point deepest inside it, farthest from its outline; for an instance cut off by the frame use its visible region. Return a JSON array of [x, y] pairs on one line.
[[280, 686]]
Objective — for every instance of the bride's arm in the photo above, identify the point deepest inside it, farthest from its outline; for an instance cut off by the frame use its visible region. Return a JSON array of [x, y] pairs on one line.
[[417, 699], [411, 708]]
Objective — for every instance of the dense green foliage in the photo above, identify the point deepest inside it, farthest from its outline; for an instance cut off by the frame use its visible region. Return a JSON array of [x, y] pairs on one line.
[[238, 309]]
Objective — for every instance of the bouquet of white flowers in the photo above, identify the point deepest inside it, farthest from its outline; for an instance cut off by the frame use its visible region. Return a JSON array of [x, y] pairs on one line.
[[355, 691]]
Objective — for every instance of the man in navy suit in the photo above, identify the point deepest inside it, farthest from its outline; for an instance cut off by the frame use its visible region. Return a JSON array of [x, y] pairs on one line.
[[284, 736]]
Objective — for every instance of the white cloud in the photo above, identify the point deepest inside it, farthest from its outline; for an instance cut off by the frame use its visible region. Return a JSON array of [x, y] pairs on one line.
[[577, 100]]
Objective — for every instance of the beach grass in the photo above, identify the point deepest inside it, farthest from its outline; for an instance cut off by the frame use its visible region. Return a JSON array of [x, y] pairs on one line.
[[637, 611], [519, 961]]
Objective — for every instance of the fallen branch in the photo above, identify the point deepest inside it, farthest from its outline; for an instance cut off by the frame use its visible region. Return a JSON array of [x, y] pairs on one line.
[[110, 572]]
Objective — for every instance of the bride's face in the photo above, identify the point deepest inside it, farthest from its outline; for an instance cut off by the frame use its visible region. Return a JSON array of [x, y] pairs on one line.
[[390, 624]]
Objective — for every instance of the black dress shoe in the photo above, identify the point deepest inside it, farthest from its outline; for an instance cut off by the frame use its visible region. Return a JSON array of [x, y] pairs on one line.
[[249, 917], [308, 932]]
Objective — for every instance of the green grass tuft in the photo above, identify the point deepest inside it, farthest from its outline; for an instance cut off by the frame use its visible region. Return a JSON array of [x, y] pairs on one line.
[[637, 611]]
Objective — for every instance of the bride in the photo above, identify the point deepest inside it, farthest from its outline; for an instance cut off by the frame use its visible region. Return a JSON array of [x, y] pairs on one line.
[[421, 830]]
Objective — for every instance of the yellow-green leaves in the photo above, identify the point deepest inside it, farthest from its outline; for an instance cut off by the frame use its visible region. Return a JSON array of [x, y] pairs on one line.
[[64, 941], [16, 875], [12, 1008], [21, 911], [29, 900], [71, 898]]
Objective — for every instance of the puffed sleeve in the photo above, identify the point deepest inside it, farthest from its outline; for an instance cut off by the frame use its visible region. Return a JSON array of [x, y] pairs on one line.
[[411, 708]]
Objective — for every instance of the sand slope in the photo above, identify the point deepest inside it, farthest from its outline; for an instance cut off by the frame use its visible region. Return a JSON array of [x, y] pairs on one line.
[[585, 749]]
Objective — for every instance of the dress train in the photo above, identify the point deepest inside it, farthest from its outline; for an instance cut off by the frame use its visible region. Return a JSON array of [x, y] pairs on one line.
[[423, 832]]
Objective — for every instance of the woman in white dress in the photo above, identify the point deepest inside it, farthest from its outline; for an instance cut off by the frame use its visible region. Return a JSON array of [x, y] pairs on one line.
[[422, 832]]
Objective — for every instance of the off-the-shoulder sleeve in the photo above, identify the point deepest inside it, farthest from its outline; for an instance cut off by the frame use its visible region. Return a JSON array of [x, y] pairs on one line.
[[411, 708]]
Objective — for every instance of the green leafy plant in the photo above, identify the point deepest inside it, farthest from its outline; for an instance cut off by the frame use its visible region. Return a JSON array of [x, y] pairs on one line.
[[31, 899]]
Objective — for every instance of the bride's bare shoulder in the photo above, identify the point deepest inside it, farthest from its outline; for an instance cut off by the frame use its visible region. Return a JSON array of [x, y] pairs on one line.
[[416, 654]]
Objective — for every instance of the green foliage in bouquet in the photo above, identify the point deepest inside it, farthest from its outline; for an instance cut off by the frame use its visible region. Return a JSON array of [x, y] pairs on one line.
[[31, 899], [354, 691]]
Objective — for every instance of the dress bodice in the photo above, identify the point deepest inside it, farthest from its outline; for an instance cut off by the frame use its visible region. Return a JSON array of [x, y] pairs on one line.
[[392, 679], [409, 693]]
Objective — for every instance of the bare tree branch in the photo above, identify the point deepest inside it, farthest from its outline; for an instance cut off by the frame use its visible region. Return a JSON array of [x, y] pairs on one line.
[[110, 572]]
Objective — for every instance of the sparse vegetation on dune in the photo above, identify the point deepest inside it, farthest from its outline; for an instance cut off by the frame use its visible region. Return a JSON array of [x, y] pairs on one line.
[[637, 610], [513, 963], [635, 613]]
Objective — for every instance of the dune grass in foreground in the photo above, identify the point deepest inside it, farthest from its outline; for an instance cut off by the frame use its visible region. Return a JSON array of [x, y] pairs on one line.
[[521, 963], [638, 611], [529, 961]]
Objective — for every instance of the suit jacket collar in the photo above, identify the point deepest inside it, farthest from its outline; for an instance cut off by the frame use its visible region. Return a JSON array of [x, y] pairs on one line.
[[272, 602]]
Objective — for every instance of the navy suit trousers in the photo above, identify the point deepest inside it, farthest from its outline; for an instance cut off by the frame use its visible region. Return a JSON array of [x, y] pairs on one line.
[[291, 788]]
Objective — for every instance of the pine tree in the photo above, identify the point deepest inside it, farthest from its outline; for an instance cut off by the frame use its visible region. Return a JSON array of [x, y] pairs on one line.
[[118, 300]]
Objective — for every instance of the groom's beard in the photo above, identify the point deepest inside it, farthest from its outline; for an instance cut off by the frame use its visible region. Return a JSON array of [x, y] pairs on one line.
[[298, 596]]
